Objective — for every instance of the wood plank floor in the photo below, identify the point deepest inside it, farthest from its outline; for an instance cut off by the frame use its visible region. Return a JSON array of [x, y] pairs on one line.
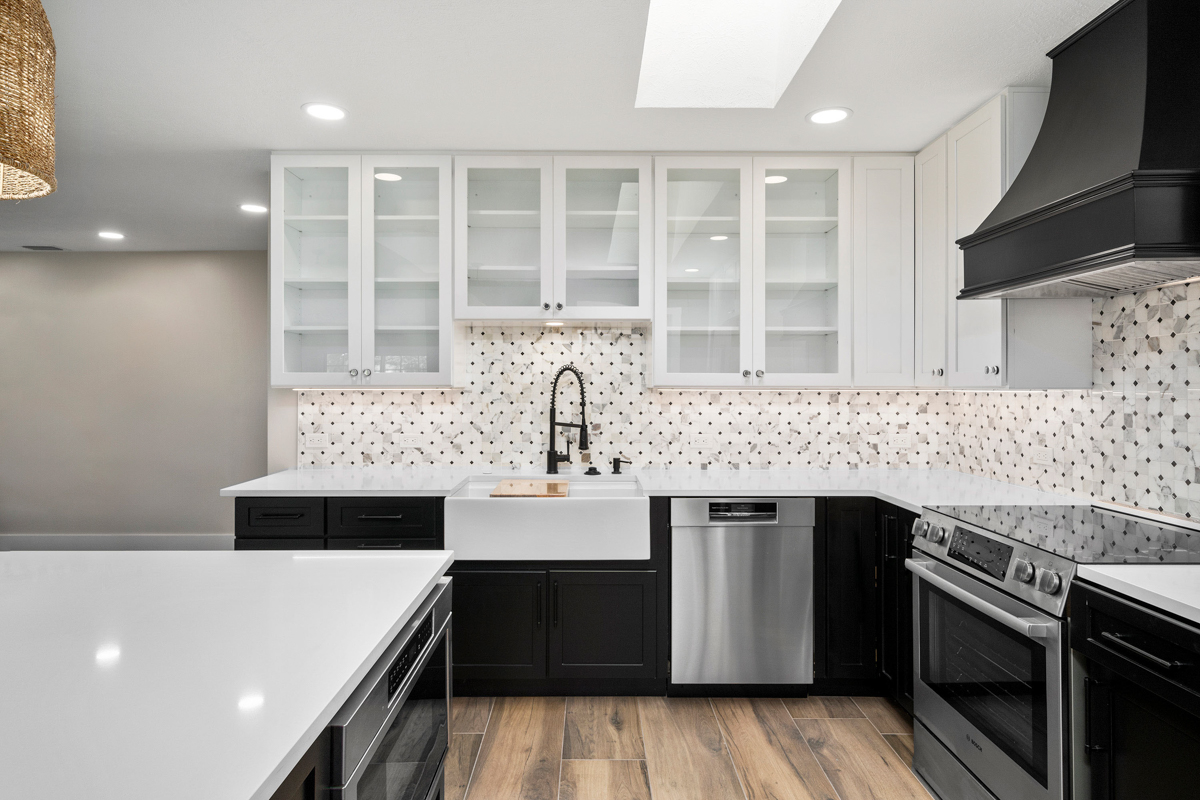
[[671, 748]]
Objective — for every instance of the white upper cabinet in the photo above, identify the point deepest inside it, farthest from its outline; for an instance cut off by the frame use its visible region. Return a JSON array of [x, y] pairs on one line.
[[802, 259], [884, 281], [315, 277], [603, 237], [406, 271], [703, 299], [932, 265], [975, 184], [504, 233], [360, 271]]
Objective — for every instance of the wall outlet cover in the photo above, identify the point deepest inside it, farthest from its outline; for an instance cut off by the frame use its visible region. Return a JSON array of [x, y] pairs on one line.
[[406, 440], [900, 441], [704, 441], [316, 440], [1042, 456]]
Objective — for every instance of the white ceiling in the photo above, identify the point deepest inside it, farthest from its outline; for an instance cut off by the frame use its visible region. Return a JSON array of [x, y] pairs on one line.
[[167, 110]]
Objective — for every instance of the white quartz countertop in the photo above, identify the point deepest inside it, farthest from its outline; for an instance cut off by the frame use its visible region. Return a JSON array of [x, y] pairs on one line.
[[1171, 587], [907, 488], [186, 674]]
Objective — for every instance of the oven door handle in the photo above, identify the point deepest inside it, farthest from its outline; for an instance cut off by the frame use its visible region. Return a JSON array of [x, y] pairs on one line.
[[1029, 627]]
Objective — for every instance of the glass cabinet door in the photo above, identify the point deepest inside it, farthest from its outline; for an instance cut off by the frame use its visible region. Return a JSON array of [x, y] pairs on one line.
[[603, 246], [801, 276], [703, 256], [407, 329], [315, 248], [503, 233]]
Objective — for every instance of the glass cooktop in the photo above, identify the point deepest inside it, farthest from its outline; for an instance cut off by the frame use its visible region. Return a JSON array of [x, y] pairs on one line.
[[1085, 534]]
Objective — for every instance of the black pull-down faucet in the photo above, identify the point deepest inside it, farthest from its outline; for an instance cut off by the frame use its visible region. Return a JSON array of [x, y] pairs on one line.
[[552, 456]]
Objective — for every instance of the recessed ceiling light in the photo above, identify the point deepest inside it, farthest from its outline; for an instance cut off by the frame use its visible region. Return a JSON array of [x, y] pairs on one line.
[[323, 111], [691, 269], [553, 324], [111, 235], [254, 209], [250, 702], [718, 238], [826, 116], [108, 655], [775, 179], [386, 176]]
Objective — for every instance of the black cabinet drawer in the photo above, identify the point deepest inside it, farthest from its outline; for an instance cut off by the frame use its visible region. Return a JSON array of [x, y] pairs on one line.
[[383, 543], [391, 517], [278, 544], [287, 517]]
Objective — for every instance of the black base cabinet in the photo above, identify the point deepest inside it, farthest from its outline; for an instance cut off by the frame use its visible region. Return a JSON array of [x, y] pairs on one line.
[[499, 625], [602, 625], [896, 606], [845, 596], [338, 523]]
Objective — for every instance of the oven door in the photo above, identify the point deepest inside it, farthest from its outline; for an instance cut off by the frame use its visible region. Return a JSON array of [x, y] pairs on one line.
[[989, 676]]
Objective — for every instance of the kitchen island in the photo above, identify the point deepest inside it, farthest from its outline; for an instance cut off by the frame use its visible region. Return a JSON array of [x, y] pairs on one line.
[[186, 675]]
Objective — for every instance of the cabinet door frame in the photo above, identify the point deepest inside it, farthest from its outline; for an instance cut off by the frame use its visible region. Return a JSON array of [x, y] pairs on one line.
[[464, 311], [644, 308], [905, 302], [960, 373], [845, 308], [933, 264], [445, 239], [648, 579], [277, 249], [742, 377], [536, 670]]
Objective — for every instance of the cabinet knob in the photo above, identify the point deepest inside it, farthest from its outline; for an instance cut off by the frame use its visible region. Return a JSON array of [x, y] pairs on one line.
[[545, 306], [558, 306], [939, 372], [758, 373], [745, 373], [353, 373], [366, 373]]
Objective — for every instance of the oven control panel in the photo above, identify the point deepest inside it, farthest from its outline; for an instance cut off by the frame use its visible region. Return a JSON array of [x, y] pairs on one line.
[[980, 552], [408, 657], [1037, 576]]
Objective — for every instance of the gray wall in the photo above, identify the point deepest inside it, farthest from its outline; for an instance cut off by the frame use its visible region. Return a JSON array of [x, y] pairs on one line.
[[133, 386]]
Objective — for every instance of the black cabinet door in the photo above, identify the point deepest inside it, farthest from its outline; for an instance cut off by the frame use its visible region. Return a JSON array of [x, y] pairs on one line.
[[895, 590], [849, 566], [602, 624], [500, 624]]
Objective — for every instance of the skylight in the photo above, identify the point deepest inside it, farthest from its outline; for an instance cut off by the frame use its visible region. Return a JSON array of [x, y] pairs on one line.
[[726, 53]]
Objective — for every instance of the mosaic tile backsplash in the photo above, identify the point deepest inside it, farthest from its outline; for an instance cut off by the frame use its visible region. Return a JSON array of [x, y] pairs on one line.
[[1132, 439]]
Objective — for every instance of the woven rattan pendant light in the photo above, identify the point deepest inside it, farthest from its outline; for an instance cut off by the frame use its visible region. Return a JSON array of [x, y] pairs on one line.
[[26, 101]]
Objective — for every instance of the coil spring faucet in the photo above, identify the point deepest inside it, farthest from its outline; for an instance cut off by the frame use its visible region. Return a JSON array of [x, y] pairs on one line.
[[553, 459]]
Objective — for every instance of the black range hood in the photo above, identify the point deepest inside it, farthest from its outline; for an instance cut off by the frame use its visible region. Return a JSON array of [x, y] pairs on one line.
[[1109, 199]]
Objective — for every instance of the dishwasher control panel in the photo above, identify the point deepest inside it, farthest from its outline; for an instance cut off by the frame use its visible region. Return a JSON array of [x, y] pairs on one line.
[[751, 511]]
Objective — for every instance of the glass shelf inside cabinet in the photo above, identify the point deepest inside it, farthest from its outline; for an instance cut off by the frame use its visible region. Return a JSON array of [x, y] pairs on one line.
[[801, 282], [407, 257], [602, 241], [703, 271], [316, 305], [504, 218]]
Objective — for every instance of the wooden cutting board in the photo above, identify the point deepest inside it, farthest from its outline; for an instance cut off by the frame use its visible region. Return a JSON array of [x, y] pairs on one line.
[[522, 488]]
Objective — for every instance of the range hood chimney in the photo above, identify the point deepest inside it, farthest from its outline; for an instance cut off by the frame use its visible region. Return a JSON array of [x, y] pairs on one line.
[[1109, 198]]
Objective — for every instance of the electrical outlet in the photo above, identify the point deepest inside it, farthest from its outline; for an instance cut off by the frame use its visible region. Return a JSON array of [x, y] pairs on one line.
[[406, 440], [1042, 455], [900, 441], [316, 440], [704, 441]]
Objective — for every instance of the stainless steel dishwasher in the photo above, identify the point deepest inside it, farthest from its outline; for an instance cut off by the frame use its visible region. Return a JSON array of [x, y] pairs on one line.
[[742, 590]]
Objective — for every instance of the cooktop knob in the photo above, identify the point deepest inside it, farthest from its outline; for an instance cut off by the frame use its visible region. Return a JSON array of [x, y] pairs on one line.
[[919, 528], [935, 533], [1023, 571], [1049, 581]]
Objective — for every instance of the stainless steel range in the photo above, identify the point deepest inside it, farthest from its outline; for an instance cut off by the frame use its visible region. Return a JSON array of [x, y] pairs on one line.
[[991, 650]]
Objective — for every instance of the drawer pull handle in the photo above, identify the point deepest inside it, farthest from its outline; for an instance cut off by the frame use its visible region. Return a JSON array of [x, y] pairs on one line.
[[380, 516], [380, 546], [1153, 659], [280, 516]]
